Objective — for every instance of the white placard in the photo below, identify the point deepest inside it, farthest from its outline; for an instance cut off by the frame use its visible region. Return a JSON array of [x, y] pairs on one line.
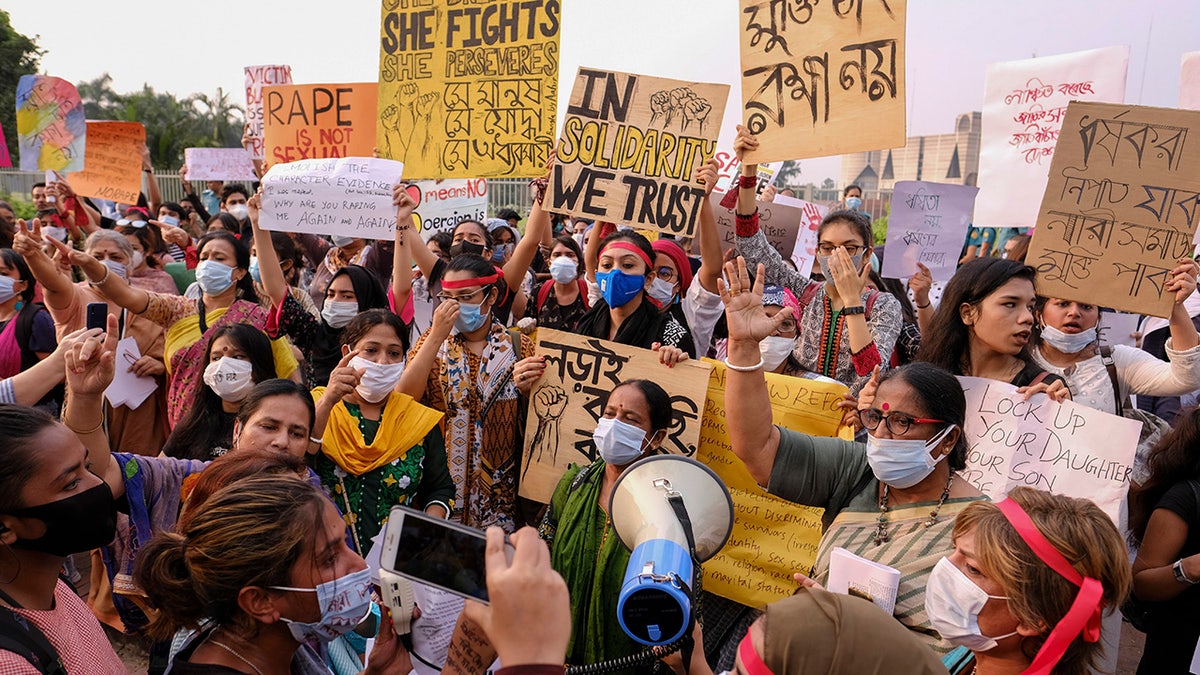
[[351, 196], [1023, 107], [805, 252], [1116, 328], [128, 389], [219, 164], [442, 204], [927, 224], [258, 77]]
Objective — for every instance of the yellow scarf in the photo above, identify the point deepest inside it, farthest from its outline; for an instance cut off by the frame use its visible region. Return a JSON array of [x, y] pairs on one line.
[[404, 425]]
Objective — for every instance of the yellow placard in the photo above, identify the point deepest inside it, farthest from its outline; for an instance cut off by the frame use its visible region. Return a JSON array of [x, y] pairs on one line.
[[112, 162]]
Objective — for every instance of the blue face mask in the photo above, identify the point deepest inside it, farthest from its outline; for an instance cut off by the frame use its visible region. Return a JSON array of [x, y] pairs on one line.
[[214, 277], [470, 317], [853, 203], [254, 273], [500, 251], [618, 287]]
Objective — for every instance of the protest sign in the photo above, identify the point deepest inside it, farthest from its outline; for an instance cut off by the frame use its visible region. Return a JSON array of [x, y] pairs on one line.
[[113, 161], [258, 77], [469, 91], [822, 79], [1189, 81], [51, 129], [218, 164], [442, 204], [1120, 208], [350, 196], [780, 224], [928, 224], [1063, 448], [5, 159], [318, 121], [1023, 108], [772, 538], [1117, 328], [805, 252], [566, 403], [629, 147], [729, 169]]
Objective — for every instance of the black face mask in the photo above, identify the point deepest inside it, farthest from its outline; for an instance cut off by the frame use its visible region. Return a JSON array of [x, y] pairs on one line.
[[76, 524], [464, 246]]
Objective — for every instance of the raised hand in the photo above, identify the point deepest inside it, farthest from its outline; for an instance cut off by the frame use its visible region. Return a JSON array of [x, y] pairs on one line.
[[28, 238], [91, 360], [343, 379], [93, 269], [848, 280], [706, 174], [528, 371], [744, 312], [744, 142], [1183, 280]]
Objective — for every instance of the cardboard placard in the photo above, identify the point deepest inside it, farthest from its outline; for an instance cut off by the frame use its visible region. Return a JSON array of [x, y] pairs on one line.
[[822, 79], [1063, 448], [565, 404], [51, 128], [1023, 108], [927, 224], [218, 164], [1121, 206], [1189, 81], [258, 77], [729, 169], [772, 538], [779, 222], [113, 161], [443, 204], [469, 91], [350, 196], [318, 121], [629, 146]]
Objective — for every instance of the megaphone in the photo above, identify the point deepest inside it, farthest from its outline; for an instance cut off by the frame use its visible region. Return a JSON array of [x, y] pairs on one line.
[[664, 508]]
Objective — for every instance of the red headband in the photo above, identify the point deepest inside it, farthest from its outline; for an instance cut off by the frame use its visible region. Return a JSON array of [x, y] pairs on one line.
[[626, 246], [1084, 615], [467, 283], [751, 661]]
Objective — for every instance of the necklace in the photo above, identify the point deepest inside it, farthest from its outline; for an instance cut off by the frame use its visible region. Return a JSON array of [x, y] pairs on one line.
[[236, 655], [881, 524]]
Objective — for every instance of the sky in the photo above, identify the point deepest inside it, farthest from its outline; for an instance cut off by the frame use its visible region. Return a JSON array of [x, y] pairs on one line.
[[191, 47]]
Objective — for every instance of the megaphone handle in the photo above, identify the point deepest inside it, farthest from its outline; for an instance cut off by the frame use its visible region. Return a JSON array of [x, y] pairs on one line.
[[677, 505]]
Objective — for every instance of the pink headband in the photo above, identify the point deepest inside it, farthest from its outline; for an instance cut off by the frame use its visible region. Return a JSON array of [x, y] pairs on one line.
[[467, 283], [626, 246]]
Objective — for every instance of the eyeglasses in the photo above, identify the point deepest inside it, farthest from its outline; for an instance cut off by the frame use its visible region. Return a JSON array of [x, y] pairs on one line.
[[462, 298], [665, 273], [897, 423], [136, 223], [788, 326], [851, 249]]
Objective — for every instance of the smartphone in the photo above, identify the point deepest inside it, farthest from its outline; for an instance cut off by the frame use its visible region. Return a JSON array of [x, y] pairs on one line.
[[436, 552], [97, 315], [169, 220], [51, 177]]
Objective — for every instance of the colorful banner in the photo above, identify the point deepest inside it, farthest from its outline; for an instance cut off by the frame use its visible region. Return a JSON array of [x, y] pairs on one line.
[[113, 161], [318, 121], [629, 146], [729, 169], [1121, 207], [442, 204], [927, 224], [218, 164], [469, 90], [350, 196], [258, 77], [822, 79], [1023, 108], [51, 129]]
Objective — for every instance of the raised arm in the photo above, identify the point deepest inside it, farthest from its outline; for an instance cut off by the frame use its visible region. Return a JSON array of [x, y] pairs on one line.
[[153, 194], [90, 365], [268, 260], [527, 248], [114, 288], [57, 289], [710, 240], [1183, 284], [402, 253], [591, 252], [415, 377], [29, 386]]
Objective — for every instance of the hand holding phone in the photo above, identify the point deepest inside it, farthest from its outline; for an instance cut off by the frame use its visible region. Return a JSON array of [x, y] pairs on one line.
[[436, 552]]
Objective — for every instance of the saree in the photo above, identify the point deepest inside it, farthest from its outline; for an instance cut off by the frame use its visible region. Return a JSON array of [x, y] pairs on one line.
[[186, 345]]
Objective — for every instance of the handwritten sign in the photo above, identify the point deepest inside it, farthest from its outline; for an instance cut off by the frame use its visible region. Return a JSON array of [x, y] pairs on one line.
[[218, 164], [113, 162], [928, 224], [1189, 81], [468, 90], [318, 121], [629, 146], [258, 77], [565, 404], [5, 158], [822, 78], [51, 129], [772, 538], [350, 196], [1063, 448], [729, 169], [443, 204], [779, 223], [1023, 107], [804, 255], [1121, 206]]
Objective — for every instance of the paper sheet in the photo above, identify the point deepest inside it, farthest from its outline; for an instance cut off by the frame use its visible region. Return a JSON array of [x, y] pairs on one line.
[[128, 389], [431, 633]]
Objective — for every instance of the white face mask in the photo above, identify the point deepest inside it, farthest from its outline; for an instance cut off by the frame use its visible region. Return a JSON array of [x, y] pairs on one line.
[[953, 603], [116, 268], [662, 291], [1068, 343], [775, 349], [8, 289], [378, 380], [239, 211], [138, 259], [338, 314], [340, 240], [618, 443], [230, 378], [902, 463], [344, 603], [564, 270]]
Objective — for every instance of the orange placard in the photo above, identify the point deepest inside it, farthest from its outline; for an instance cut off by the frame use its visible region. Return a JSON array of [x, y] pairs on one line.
[[319, 121], [112, 162]]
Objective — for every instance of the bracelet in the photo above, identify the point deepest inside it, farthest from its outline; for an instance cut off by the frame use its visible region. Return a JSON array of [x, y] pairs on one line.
[[318, 441], [1182, 576], [442, 504], [924, 306], [81, 432], [744, 369], [103, 279], [748, 181]]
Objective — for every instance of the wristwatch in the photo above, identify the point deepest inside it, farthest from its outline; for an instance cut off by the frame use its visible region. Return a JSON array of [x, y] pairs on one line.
[[847, 311], [1180, 576]]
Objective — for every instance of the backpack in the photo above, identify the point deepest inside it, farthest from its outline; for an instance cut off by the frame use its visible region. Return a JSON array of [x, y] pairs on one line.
[[548, 285], [24, 639]]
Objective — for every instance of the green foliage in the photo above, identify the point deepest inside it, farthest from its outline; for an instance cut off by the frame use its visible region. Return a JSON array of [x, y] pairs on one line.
[[788, 173], [19, 56], [22, 206], [879, 226]]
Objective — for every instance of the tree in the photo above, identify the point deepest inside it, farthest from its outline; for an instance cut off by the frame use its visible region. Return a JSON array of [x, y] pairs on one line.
[[827, 184], [19, 55], [789, 171]]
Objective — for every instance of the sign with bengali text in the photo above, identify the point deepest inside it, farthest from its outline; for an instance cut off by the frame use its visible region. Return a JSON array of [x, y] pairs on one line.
[[350, 196], [928, 224], [318, 121], [113, 164], [779, 223], [258, 77]]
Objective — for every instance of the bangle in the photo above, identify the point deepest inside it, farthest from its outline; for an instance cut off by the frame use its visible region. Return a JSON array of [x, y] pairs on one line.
[[318, 441], [924, 306], [748, 181], [1182, 576], [103, 279], [442, 504], [744, 369], [82, 432]]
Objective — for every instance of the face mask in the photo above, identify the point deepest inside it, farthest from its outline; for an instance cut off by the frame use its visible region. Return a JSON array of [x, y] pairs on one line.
[[378, 379], [662, 291], [564, 270], [340, 240], [239, 211], [470, 317], [169, 220], [115, 268], [618, 287], [7, 288], [1068, 343], [855, 260], [214, 277], [461, 247], [578, 238], [618, 443], [59, 233], [138, 259], [853, 203], [774, 350], [953, 603], [500, 251], [231, 378], [903, 463], [255, 274], [78, 523], [338, 314], [344, 602]]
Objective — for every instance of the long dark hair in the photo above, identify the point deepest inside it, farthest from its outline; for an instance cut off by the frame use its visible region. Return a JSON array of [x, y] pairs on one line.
[[18, 454], [941, 396], [241, 255], [896, 288], [657, 400], [276, 386], [1175, 458], [947, 342]]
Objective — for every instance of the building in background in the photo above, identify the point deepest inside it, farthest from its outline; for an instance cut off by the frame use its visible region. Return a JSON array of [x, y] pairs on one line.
[[945, 158]]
